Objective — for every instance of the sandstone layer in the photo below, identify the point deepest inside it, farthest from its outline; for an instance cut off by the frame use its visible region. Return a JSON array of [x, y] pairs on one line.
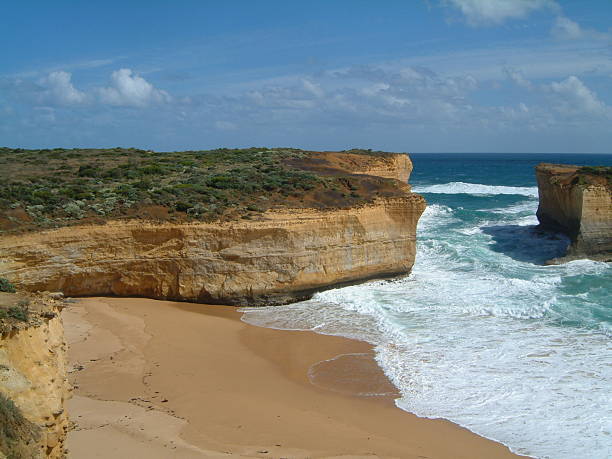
[[392, 166], [578, 205], [282, 257], [277, 256], [33, 372]]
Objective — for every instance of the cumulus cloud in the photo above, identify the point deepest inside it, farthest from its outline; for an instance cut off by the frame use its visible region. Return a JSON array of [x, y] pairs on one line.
[[131, 90], [57, 88], [494, 12], [572, 97], [517, 77]]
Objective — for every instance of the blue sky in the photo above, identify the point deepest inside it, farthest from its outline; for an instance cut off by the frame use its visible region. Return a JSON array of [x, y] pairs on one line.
[[420, 76]]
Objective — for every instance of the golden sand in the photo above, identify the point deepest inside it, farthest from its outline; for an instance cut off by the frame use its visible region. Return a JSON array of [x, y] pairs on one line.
[[159, 379]]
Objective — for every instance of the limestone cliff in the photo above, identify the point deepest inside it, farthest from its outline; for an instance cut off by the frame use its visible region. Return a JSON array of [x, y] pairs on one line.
[[197, 234], [578, 202], [320, 239], [284, 256], [33, 373], [391, 166]]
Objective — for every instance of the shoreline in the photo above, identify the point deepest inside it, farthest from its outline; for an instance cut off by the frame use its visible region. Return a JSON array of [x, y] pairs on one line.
[[196, 381]]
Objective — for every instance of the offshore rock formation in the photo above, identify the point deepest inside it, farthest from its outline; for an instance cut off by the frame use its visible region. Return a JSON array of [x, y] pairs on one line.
[[284, 256], [33, 377], [578, 202]]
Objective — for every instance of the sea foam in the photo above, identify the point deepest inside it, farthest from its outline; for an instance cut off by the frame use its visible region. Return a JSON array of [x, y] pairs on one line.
[[483, 334], [475, 189]]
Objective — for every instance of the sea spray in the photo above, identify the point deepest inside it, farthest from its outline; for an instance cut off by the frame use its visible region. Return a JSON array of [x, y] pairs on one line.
[[482, 332]]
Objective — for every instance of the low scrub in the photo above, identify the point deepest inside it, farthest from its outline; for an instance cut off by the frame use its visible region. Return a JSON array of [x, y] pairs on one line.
[[57, 187], [18, 436], [6, 286]]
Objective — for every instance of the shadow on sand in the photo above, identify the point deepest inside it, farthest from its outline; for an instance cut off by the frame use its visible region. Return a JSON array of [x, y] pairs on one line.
[[529, 244]]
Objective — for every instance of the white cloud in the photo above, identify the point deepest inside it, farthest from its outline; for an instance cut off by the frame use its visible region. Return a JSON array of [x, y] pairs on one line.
[[313, 88], [517, 77], [129, 89], [493, 12], [409, 98], [572, 97], [566, 29], [58, 89]]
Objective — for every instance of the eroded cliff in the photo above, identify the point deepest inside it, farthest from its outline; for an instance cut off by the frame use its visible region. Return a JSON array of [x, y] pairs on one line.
[[354, 220], [33, 379], [391, 166], [578, 202], [283, 256], [245, 227]]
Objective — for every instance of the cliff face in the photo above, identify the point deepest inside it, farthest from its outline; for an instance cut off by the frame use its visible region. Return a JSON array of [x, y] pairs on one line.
[[396, 166], [282, 257], [344, 224], [33, 376], [275, 257], [578, 206], [391, 166]]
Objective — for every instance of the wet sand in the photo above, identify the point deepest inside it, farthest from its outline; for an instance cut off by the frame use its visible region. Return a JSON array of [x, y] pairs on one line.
[[160, 379]]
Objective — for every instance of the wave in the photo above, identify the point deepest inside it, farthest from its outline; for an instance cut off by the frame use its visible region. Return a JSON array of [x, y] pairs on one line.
[[476, 189], [481, 334]]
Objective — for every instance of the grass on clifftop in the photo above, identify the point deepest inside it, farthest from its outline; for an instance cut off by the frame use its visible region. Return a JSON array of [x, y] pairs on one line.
[[57, 187], [586, 174]]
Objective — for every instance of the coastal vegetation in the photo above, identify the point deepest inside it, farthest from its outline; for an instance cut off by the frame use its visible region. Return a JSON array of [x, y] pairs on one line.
[[14, 308], [18, 436], [49, 188], [586, 174], [6, 286]]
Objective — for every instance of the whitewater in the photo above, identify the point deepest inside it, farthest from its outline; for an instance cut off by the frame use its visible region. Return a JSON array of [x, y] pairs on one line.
[[482, 332]]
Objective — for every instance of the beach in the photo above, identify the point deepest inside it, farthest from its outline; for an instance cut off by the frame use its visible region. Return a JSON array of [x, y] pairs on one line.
[[162, 379]]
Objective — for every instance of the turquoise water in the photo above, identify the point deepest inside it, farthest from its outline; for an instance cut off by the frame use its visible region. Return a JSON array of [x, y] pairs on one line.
[[482, 332]]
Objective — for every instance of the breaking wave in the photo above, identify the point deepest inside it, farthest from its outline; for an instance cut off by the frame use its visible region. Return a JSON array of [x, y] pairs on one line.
[[475, 189]]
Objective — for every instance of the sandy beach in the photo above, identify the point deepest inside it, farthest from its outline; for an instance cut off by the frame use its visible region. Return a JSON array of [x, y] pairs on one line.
[[160, 379]]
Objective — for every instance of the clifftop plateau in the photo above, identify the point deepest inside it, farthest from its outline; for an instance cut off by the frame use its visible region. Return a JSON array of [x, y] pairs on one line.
[[578, 202], [246, 227], [42, 189]]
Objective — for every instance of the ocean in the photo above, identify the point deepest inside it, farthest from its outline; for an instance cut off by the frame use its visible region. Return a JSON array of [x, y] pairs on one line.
[[482, 333]]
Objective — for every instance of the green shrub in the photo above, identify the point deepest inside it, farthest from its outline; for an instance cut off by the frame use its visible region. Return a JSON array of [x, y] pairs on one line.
[[72, 184], [152, 169], [182, 206], [20, 312], [596, 170], [88, 171], [6, 286], [74, 209]]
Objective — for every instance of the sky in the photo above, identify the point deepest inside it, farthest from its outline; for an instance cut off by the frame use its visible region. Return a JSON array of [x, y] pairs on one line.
[[412, 75]]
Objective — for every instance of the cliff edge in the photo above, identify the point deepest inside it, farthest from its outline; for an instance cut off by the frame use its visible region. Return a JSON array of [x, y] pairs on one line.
[[213, 236], [578, 202]]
